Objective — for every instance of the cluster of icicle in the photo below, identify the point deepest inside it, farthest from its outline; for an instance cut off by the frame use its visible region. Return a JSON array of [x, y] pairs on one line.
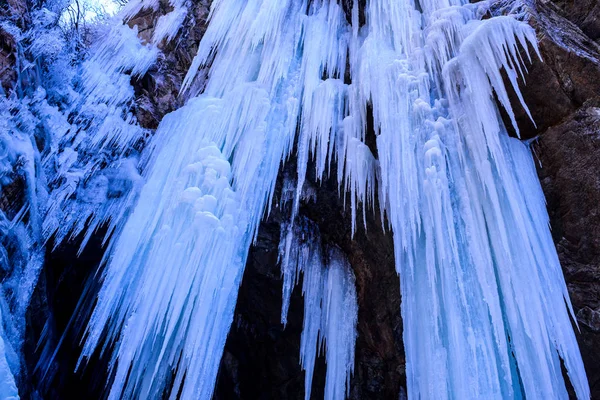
[[483, 297], [330, 304]]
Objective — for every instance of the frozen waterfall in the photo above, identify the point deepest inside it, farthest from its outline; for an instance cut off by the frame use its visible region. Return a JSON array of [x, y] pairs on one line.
[[484, 303]]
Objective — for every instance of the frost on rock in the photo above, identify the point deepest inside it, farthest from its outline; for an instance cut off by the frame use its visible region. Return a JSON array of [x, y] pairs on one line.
[[330, 305], [168, 25], [21, 245], [86, 193]]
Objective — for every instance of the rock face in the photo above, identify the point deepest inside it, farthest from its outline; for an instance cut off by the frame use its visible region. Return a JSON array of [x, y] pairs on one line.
[[565, 78], [16, 11], [583, 13], [157, 92], [570, 176], [7, 61]]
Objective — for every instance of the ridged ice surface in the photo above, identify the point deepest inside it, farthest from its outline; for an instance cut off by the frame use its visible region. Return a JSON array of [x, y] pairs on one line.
[[483, 296]]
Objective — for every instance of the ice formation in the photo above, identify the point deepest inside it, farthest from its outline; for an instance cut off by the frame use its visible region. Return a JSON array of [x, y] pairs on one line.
[[330, 304], [468, 242], [483, 296]]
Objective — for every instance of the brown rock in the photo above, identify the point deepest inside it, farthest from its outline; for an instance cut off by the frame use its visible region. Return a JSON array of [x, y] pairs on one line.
[[583, 13], [8, 75], [565, 78], [569, 156], [157, 92]]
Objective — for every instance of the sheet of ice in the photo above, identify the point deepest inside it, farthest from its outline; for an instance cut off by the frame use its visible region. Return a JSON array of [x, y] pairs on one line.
[[463, 231], [168, 25], [338, 324], [177, 250]]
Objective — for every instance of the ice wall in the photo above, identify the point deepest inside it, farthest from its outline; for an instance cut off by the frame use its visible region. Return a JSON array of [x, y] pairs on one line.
[[248, 113]]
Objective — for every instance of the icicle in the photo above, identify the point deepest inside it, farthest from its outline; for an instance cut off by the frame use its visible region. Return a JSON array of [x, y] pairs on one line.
[[194, 231], [492, 46], [338, 326], [312, 291], [251, 130], [168, 25], [361, 172], [298, 250], [453, 200], [330, 305]]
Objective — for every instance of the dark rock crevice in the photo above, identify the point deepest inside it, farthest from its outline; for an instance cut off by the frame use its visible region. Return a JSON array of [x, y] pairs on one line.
[[264, 357], [583, 13]]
